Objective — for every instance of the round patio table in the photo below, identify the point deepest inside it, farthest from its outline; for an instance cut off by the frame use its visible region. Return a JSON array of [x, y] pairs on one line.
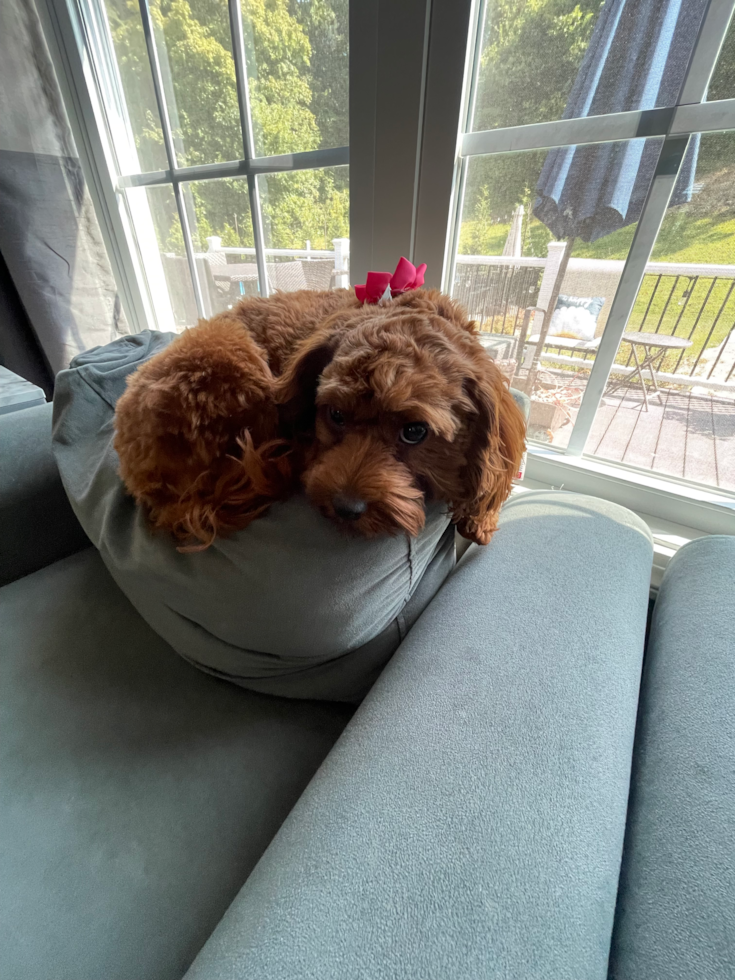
[[655, 347]]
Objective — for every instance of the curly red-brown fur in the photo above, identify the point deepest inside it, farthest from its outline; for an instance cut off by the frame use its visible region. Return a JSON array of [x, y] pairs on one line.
[[238, 409], [196, 433]]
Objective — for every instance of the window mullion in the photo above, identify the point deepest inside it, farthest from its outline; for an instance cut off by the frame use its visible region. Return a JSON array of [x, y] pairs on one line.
[[712, 31], [478, 31], [450, 263], [654, 209], [168, 142], [241, 78], [246, 124], [256, 216], [189, 249], [155, 65]]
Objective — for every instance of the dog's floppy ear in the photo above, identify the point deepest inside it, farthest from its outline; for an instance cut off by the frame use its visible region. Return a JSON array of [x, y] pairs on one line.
[[296, 388], [497, 440]]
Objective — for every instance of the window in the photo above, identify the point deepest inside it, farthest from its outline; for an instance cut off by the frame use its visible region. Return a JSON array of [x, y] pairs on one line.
[[681, 420], [601, 264], [564, 167], [225, 130]]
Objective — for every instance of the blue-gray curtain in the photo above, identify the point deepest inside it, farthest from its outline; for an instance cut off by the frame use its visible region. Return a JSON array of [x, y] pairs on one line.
[[50, 241]]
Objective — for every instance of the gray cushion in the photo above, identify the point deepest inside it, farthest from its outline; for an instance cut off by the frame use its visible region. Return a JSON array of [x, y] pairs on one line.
[[37, 525], [136, 793], [470, 821], [16, 393], [676, 915], [288, 606]]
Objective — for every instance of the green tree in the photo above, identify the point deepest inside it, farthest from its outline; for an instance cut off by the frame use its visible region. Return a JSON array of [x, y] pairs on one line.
[[305, 205], [530, 56], [193, 41], [326, 24]]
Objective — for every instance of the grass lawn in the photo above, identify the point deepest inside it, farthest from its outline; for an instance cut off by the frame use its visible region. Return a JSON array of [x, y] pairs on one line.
[[680, 239]]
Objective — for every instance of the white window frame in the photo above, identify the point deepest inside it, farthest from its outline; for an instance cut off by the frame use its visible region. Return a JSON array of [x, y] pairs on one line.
[[81, 47]]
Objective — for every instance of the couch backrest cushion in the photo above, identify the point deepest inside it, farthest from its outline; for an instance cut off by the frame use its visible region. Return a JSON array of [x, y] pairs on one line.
[[37, 525]]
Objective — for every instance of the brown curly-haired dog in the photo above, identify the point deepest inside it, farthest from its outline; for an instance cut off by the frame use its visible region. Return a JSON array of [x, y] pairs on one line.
[[374, 409]]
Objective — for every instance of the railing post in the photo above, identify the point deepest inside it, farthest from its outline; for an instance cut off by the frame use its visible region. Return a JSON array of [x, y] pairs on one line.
[[554, 255], [214, 244], [341, 263]]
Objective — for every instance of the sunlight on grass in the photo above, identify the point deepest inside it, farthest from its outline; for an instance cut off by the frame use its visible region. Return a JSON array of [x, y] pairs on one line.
[[682, 238]]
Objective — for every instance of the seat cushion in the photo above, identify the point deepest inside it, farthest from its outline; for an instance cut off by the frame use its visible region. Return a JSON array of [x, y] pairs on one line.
[[136, 793]]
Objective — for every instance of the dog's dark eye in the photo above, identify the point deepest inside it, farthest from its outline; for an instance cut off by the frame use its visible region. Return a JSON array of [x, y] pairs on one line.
[[414, 433], [336, 416]]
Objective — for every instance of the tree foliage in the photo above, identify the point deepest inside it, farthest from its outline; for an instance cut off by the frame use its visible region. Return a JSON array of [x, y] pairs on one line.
[[297, 63], [530, 56]]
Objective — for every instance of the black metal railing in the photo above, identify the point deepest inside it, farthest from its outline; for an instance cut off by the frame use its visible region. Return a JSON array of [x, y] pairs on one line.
[[497, 295], [699, 308]]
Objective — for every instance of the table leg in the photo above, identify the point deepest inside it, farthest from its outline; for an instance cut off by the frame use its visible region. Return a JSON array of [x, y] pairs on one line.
[[640, 375], [650, 362], [625, 381]]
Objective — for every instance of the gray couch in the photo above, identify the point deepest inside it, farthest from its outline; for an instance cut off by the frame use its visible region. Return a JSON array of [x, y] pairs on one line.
[[471, 820]]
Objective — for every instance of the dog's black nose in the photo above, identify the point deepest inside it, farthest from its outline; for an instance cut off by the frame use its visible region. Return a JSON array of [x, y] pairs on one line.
[[348, 508]]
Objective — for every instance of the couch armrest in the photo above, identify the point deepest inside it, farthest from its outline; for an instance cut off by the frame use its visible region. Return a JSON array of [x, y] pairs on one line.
[[676, 906], [37, 525], [470, 821]]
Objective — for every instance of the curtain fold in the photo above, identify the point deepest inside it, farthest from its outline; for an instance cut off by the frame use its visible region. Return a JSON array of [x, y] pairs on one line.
[[50, 239], [20, 351]]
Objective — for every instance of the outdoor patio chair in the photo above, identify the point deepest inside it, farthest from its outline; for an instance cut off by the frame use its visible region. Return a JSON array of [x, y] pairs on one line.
[[286, 276], [319, 273], [301, 274], [217, 260]]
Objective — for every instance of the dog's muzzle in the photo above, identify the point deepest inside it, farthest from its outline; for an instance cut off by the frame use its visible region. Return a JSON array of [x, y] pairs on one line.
[[348, 508]]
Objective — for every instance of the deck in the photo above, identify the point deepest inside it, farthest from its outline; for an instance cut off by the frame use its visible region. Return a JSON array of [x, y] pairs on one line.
[[687, 435]]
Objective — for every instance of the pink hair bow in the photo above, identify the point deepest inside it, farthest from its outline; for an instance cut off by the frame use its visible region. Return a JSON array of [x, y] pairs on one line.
[[382, 286]]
